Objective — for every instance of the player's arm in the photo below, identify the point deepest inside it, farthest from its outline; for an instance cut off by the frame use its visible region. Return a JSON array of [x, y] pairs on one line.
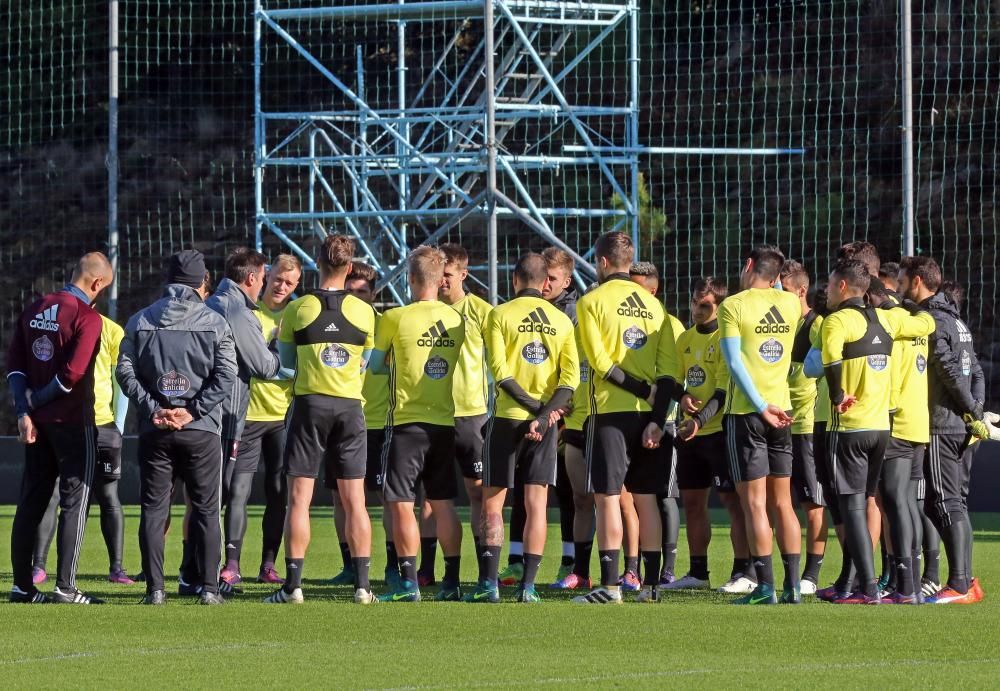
[[946, 363], [669, 384], [388, 326], [731, 342], [127, 377], [601, 363], [260, 361], [834, 337], [906, 325], [219, 384], [496, 349], [120, 400], [17, 366], [288, 353]]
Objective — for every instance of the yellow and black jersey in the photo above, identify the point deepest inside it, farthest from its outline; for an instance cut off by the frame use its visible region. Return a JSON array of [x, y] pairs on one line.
[[331, 330], [422, 342], [269, 398], [622, 325], [700, 357], [376, 392], [764, 320], [859, 339], [909, 401], [530, 341], [802, 390], [104, 371], [822, 410], [581, 395], [471, 388]]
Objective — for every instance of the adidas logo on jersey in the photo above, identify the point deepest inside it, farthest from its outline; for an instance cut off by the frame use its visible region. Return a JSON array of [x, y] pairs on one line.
[[46, 319], [773, 323], [876, 341], [436, 337], [537, 322], [963, 332], [633, 306], [332, 327]]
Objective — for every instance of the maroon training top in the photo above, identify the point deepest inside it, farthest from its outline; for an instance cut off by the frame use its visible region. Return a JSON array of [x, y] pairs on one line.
[[58, 335]]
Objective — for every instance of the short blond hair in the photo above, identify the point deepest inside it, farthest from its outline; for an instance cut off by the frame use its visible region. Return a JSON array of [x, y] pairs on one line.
[[426, 265], [559, 259], [286, 262]]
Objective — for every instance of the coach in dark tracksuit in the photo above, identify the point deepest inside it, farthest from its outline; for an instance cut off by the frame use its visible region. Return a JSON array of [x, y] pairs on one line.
[[177, 363]]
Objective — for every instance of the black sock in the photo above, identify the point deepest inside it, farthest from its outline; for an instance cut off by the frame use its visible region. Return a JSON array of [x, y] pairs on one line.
[[452, 567], [581, 567], [233, 550], [345, 554], [293, 574], [791, 564], [905, 577], [870, 588], [669, 556], [490, 565], [751, 571], [891, 582], [632, 564], [609, 566], [391, 558], [531, 563], [515, 558], [187, 548], [360, 565], [699, 567], [651, 567], [765, 570], [568, 560], [845, 581], [741, 567], [408, 569], [932, 565], [813, 564], [428, 554], [478, 544]]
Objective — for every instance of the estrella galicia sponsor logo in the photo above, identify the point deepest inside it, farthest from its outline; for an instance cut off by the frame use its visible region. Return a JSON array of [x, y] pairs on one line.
[[43, 349], [436, 367], [921, 363], [633, 306], [537, 322], [695, 376], [173, 384], [436, 337], [634, 338], [964, 336], [966, 362], [535, 353], [878, 361], [771, 350], [772, 323], [46, 319], [334, 355], [584, 372]]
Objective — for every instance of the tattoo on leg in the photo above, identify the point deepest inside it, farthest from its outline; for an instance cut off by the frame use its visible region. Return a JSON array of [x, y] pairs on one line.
[[493, 528]]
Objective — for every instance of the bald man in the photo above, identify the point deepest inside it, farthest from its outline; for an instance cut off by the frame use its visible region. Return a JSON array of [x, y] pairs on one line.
[[50, 372]]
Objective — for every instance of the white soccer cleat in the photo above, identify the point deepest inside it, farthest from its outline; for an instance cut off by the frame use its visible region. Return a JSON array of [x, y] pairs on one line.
[[364, 597], [648, 595], [738, 585], [688, 582], [929, 588], [807, 587], [600, 596], [280, 597]]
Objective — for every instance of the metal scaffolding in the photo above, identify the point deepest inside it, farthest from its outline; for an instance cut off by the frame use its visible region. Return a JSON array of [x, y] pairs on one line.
[[479, 133]]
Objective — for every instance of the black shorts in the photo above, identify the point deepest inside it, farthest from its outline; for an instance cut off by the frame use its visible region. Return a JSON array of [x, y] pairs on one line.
[[616, 457], [326, 432], [509, 455], [947, 469], [804, 477], [419, 452], [574, 437], [907, 451], [469, 445], [251, 445], [856, 461], [702, 463], [374, 478], [755, 449], [109, 452]]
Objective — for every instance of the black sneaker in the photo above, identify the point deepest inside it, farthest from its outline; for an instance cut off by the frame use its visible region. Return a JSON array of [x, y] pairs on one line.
[[157, 597], [187, 589], [31, 597], [74, 597], [212, 599]]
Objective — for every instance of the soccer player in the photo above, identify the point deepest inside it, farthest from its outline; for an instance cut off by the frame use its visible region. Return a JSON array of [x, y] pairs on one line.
[[533, 360], [857, 348], [803, 393], [630, 347], [178, 365], [701, 451], [326, 337], [422, 345], [235, 299], [50, 373], [264, 435], [956, 391], [757, 338]]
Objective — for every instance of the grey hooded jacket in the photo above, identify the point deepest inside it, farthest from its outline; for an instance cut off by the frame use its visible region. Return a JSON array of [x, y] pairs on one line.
[[177, 353], [956, 384], [253, 356]]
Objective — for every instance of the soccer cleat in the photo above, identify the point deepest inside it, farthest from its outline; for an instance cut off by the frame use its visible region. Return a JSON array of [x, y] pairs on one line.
[[807, 587], [281, 597], [364, 597], [448, 594], [688, 582], [407, 592], [425, 580], [929, 588], [976, 589], [527, 594], [649, 594], [230, 583], [484, 592], [38, 576], [855, 598], [630, 581], [511, 575], [74, 597], [140, 577], [345, 577], [208, 598], [738, 585], [600, 596], [392, 579], [267, 574], [883, 583], [791, 596], [187, 589], [666, 578], [898, 598], [950, 596], [157, 597], [30, 597], [120, 577], [572, 582], [763, 594], [564, 571], [831, 593]]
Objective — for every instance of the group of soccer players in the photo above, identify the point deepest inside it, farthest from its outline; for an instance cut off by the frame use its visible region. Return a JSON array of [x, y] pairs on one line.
[[863, 392]]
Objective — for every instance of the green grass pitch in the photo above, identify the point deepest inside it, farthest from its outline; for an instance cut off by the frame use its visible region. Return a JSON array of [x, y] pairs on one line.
[[689, 639]]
